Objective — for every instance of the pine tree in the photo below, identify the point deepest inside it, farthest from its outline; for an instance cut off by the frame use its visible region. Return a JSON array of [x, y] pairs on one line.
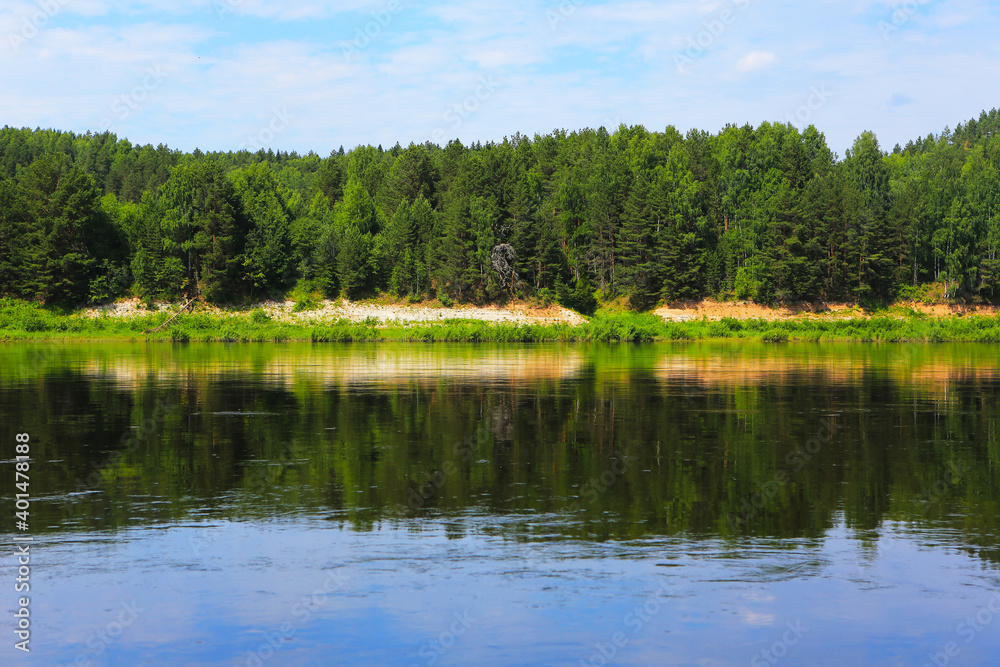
[[482, 225], [677, 205], [63, 205], [639, 249], [265, 203], [14, 242], [203, 232], [405, 247], [454, 251], [355, 224], [869, 177]]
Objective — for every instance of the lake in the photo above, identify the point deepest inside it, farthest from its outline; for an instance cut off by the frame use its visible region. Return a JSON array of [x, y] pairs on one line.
[[692, 504]]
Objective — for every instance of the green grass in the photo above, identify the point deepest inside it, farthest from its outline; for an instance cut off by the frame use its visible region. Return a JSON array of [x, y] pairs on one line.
[[21, 320]]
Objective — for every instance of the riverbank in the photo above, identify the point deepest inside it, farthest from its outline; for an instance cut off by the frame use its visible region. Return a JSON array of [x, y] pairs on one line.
[[380, 322], [385, 313], [744, 310]]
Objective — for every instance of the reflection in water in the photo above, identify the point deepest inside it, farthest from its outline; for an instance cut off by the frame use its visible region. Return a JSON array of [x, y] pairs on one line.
[[724, 486], [661, 440]]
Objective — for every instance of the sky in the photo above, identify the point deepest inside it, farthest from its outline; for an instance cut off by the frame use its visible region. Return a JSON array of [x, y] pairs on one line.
[[314, 76]]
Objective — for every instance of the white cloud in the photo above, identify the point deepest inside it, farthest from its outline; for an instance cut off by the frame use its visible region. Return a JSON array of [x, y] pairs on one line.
[[643, 13], [758, 619], [756, 60], [600, 62], [899, 100]]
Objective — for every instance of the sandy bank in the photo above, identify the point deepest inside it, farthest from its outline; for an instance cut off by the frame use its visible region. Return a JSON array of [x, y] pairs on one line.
[[741, 310], [328, 311]]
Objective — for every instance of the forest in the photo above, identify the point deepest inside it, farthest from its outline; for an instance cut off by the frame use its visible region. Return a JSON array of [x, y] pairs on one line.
[[768, 214]]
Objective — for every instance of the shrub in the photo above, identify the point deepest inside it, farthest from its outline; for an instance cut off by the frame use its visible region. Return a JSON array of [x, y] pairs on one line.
[[718, 330], [305, 302], [775, 336]]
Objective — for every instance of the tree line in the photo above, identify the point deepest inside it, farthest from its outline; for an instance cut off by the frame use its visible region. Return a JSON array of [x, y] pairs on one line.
[[768, 214]]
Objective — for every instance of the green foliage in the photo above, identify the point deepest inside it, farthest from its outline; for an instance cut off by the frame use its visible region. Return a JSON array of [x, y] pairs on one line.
[[204, 232], [775, 336], [26, 320], [265, 202], [751, 283], [761, 213], [15, 232], [304, 302], [581, 298], [405, 247], [628, 328], [355, 225], [64, 226]]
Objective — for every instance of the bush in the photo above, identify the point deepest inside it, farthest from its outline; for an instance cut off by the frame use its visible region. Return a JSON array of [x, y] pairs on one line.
[[718, 330], [732, 324], [306, 302], [581, 298], [545, 297], [936, 334], [626, 327], [675, 332], [775, 336], [25, 316]]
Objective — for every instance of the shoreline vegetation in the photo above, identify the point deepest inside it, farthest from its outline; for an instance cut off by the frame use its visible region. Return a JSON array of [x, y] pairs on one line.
[[373, 321]]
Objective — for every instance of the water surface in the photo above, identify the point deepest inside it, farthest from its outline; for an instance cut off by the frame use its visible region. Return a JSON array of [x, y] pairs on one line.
[[702, 504]]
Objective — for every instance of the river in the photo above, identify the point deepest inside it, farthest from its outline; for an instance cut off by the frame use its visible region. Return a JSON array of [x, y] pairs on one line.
[[671, 504]]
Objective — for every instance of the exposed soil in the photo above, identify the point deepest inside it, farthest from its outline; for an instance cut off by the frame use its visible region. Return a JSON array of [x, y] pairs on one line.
[[523, 313], [742, 310], [283, 311]]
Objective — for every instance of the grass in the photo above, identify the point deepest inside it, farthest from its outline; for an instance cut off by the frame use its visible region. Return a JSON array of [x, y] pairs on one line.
[[26, 321]]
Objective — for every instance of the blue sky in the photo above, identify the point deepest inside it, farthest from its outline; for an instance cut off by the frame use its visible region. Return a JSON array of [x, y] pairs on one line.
[[225, 74]]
